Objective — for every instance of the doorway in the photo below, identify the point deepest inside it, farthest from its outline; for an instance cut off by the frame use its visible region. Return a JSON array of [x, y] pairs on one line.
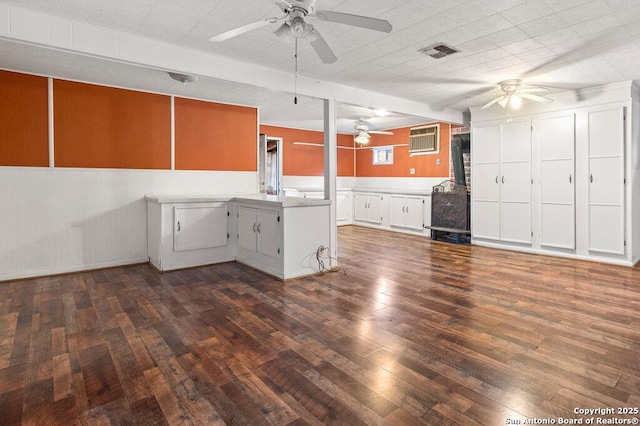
[[270, 164]]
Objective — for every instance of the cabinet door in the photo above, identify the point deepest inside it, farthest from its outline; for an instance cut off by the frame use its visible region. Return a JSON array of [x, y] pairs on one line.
[[485, 182], [343, 207], [247, 223], [414, 213], [360, 203], [267, 229], [557, 197], [606, 181], [397, 214], [374, 209], [515, 182], [200, 227]]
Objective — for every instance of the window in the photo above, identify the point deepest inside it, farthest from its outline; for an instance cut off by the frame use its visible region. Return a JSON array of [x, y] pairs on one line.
[[382, 155]]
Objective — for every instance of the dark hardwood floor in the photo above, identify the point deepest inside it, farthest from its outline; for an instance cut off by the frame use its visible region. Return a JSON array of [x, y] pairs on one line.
[[416, 332]]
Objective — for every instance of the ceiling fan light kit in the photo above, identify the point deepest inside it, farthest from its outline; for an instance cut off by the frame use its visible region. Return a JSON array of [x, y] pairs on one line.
[[513, 95]]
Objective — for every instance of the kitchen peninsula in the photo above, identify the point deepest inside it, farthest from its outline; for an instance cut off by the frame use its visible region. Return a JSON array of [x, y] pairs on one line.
[[276, 234]]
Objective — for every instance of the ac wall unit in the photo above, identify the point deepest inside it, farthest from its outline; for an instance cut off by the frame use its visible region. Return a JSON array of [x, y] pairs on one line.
[[423, 140]]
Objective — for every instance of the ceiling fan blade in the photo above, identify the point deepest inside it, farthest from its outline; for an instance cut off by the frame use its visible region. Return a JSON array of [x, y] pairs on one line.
[[282, 29], [243, 29], [380, 132], [355, 20], [322, 48], [493, 102], [533, 97], [533, 90], [504, 101]]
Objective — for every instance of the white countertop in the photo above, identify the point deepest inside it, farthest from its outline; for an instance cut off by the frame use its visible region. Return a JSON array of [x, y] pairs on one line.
[[278, 200], [423, 192]]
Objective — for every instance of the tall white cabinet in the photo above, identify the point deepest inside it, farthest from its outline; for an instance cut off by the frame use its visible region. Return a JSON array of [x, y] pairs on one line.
[[557, 182], [501, 193], [562, 178], [606, 181]]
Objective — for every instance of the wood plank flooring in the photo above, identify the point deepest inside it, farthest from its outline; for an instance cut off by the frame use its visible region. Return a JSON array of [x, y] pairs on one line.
[[415, 332]]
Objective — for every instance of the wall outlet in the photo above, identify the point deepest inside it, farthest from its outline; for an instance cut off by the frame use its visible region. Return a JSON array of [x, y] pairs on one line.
[[437, 161], [412, 171]]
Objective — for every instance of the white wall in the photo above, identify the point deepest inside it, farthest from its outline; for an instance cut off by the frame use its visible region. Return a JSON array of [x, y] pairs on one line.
[[57, 220]]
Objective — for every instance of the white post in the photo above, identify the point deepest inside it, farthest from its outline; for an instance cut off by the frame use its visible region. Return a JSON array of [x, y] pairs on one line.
[[330, 172]]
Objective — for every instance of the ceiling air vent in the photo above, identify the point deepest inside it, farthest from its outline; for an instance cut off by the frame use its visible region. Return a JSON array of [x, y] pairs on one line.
[[438, 50]]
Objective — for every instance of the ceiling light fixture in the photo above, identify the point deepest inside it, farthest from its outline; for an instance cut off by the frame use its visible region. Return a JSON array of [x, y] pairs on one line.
[[362, 138], [183, 78], [381, 112]]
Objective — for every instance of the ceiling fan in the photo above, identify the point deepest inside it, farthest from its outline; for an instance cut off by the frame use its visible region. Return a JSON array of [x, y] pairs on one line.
[[364, 134], [514, 93], [295, 11]]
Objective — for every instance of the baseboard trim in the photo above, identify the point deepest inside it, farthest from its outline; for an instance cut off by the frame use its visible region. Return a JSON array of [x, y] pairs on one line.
[[36, 273]]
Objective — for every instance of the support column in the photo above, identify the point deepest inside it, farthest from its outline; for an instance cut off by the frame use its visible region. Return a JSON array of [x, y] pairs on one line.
[[330, 173]]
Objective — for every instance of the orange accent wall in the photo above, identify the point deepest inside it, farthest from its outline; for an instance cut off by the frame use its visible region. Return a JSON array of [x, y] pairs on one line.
[[425, 165], [24, 134], [97, 126], [305, 160], [213, 136]]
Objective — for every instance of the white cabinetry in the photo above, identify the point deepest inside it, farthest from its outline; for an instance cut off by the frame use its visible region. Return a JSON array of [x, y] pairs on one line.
[[367, 208], [606, 181], [407, 212], [277, 235], [259, 231], [343, 208], [344, 205], [557, 182], [502, 182], [200, 227], [182, 235]]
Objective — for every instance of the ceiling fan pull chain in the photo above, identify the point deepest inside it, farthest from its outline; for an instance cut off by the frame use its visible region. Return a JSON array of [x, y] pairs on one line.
[[295, 75]]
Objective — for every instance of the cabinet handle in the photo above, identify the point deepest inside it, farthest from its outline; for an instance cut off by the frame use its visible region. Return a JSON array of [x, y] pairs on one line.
[[591, 178], [407, 209], [570, 179], [178, 226], [258, 228], [254, 227], [496, 179], [402, 209], [502, 179]]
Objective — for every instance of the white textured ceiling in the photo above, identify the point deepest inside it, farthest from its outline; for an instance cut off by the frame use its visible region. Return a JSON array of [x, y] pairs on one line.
[[560, 44]]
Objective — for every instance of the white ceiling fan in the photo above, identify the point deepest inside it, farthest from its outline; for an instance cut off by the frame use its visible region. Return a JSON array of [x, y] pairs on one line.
[[514, 93], [295, 11], [364, 134]]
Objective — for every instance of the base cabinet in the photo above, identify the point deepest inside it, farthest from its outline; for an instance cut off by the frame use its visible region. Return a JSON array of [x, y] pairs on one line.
[[407, 212], [367, 208], [259, 237], [183, 235], [277, 235]]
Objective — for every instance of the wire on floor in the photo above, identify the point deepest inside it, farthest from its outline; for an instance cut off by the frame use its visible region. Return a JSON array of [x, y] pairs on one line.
[[321, 266]]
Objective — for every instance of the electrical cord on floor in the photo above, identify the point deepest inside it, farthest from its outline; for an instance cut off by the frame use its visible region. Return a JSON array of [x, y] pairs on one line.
[[321, 266]]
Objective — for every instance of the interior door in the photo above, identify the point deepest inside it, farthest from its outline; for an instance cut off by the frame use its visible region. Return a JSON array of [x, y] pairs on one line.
[[557, 153], [374, 209], [360, 203]]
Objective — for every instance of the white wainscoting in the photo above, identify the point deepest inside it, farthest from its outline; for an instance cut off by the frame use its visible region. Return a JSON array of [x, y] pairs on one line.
[[57, 220]]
